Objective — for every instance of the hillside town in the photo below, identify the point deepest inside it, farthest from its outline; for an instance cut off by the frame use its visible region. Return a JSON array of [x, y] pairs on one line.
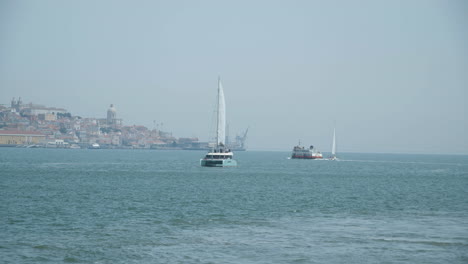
[[33, 125]]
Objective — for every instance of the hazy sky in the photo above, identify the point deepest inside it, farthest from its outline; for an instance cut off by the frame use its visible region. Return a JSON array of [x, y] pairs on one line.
[[393, 75]]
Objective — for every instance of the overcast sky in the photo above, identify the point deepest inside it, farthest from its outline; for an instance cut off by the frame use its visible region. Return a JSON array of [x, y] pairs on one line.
[[392, 75]]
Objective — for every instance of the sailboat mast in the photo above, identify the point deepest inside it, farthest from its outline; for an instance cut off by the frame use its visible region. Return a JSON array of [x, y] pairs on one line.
[[334, 143], [217, 115]]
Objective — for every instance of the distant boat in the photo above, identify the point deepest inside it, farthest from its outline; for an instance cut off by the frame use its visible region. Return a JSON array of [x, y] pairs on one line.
[[333, 152], [58, 143], [219, 156], [74, 146], [94, 146], [300, 152]]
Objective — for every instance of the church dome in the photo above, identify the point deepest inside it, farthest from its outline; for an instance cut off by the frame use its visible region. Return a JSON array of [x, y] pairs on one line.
[[112, 109], [111, 115]]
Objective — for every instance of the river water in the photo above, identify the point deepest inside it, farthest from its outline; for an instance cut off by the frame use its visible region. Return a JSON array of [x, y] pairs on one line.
[[143, 206]]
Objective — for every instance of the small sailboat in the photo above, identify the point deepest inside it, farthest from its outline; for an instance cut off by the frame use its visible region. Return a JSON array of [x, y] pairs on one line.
[[333, 152], [219, 156]]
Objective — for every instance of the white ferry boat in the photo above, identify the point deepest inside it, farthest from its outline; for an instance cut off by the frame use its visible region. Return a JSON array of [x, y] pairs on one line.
[[218, 157]]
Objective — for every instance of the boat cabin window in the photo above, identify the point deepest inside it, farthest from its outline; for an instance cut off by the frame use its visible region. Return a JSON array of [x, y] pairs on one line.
[[218, 156]]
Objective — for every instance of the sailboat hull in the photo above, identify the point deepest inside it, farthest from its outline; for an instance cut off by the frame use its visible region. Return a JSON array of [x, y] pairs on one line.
[[218, 163]]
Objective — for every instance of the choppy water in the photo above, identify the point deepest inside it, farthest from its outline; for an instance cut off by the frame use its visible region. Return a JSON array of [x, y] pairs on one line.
[[138, 206]]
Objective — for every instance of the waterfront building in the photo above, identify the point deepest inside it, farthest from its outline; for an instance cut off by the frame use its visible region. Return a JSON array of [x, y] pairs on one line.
[[16, 137], [34, 110]]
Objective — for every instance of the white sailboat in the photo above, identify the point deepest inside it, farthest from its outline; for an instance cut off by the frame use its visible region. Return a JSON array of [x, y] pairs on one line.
[[219, 156], [333, 152]]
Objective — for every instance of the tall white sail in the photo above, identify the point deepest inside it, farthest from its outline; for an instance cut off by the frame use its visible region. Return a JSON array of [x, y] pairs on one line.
[[221, 123], [334, 144]]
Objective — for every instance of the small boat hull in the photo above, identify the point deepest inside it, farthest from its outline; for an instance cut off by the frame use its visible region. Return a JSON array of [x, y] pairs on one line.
[[306, 157], [218, 162]]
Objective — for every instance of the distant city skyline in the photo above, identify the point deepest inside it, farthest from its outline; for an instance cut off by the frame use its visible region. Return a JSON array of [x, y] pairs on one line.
[[392, 75], [35, 125]]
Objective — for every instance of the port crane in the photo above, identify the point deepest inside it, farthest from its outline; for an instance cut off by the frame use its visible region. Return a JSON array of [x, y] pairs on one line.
[[241, 139]]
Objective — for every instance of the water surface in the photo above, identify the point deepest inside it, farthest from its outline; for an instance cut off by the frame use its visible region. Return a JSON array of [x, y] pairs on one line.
[[143, 206]]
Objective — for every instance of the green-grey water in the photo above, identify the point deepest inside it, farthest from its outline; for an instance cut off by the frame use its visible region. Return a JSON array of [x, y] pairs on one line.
[[143, 206]]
